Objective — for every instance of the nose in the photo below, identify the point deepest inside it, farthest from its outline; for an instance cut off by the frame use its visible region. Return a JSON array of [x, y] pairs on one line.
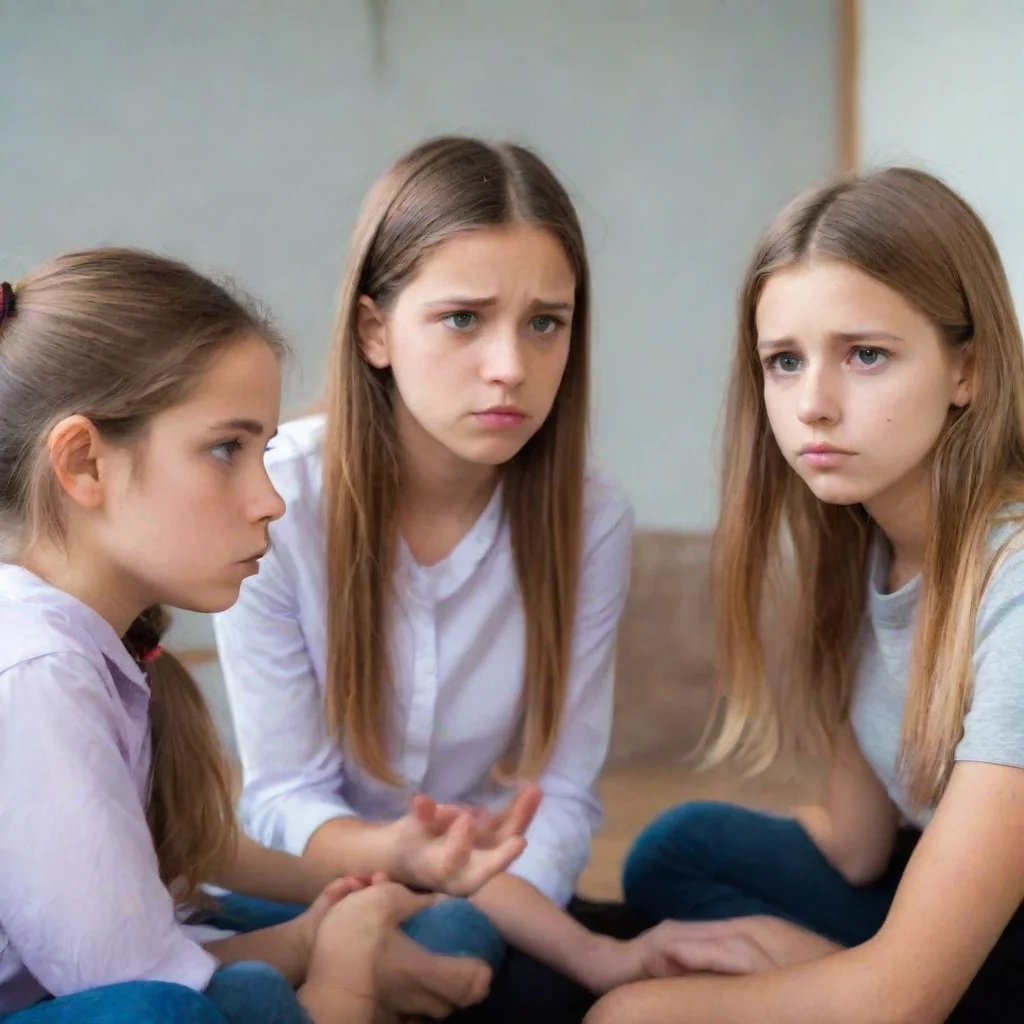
[[267, 505], [503, 360], [819, 401]]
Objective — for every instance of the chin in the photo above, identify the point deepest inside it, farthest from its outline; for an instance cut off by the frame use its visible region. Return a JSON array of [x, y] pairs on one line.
[[834, 491], [492, 453], [211, 602]]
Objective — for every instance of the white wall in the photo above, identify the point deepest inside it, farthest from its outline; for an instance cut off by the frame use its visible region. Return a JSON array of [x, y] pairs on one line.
[[942, 86], [242, 134]]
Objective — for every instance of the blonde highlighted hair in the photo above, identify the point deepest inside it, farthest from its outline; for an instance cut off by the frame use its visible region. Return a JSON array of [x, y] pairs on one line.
[[780, 553], [117, 336], [441, 188]]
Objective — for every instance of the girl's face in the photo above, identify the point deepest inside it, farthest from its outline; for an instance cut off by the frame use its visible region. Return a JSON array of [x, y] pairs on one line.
[[184, 514], [858, 383], [477, 342]]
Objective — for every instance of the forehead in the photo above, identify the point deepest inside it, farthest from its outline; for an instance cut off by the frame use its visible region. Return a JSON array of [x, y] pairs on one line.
[[242, 382], [484, 261], [830, 295]]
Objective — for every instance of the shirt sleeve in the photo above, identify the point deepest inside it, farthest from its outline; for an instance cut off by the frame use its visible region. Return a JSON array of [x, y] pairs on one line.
[[292, 768], [82, 900], [994, 724], [558, 840]]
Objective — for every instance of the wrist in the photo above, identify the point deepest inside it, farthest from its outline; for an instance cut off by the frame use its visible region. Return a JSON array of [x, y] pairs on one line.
[[301, 935], [392, 854], [327, 1002], [599, 963]]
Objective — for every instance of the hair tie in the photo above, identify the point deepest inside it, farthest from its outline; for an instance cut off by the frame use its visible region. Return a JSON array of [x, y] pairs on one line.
[[6, 301], [148, 657]]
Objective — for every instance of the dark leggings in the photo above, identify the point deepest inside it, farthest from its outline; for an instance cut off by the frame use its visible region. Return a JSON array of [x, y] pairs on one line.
[[712, 861]]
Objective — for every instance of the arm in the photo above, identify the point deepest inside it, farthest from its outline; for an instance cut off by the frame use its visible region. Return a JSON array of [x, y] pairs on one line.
[[961, 887], [855, 828], [292, 768], [84, 905], [282, 946], [272, 875], [526, 903]]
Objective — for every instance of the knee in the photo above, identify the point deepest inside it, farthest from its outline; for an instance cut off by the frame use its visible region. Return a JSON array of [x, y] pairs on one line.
[[455, 927], [252, 991], [620, 1006], [679, 842], [163, 1002]]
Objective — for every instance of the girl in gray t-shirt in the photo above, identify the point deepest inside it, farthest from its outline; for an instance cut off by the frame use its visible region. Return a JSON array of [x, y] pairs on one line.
[[874, 462]]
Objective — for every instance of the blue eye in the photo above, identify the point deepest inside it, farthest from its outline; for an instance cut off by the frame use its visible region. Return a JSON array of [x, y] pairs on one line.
[[869, 357], [783, 362], [226, 450], [545, 324], [461, 321]]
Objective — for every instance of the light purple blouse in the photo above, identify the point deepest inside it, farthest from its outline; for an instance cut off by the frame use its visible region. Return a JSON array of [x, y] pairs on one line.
[[81, 901]]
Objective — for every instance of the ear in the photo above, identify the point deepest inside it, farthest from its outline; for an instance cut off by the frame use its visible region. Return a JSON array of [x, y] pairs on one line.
[[371, 329], [75, 448], [963, 392]]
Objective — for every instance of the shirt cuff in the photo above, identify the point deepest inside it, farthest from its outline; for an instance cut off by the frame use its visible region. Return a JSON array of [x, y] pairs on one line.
[[185, 963], [301, 818]]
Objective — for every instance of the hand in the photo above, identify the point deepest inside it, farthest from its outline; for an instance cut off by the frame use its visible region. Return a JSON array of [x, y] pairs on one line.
[[744, 945], [353, 934], [414, 983], [452, 849], [307, 924]]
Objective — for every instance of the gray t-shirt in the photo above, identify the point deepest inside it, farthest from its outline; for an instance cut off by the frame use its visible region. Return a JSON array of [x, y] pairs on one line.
[[994, 725]]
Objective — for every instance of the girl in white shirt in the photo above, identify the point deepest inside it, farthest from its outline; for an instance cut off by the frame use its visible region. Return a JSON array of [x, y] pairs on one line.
[[437, 614]]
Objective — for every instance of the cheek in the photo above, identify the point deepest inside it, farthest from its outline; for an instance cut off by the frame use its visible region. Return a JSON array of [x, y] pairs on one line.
[[777, 410]]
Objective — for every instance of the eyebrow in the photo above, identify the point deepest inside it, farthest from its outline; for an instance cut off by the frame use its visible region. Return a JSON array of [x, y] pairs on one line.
[[253, 427], [492, 300], [847, 337]]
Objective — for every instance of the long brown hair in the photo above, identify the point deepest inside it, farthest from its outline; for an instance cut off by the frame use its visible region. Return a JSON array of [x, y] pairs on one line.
[[443, 187], [117, 336], [775, 539]]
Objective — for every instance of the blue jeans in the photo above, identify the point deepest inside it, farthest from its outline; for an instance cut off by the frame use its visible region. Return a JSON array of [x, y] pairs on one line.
[[241, 993], [132, 1002], [712, 861], [452, 928]]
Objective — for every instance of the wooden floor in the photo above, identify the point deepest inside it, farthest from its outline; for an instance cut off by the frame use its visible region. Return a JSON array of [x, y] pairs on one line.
[[634, 795]]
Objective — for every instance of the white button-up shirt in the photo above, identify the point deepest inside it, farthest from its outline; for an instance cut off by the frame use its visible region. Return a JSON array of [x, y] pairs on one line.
[[81, 901], [456, 644]]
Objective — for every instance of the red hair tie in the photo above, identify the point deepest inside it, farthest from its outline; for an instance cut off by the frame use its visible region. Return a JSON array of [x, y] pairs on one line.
[[148, 657]]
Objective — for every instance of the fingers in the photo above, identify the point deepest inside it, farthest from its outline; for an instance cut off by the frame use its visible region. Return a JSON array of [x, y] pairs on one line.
[[337, 890], [733, 955], [459, 980], [443, 983], [434, 817], [520, 812], [424, 811], [483, 865], [403, 903]]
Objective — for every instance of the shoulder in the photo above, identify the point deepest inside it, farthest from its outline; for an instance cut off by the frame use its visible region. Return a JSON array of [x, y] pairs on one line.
[[51, 669], [34, 633], [1002, 601]]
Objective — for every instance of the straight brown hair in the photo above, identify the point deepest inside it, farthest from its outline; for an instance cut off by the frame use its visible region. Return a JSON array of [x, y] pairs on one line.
[[780, 551], [441, 188]]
